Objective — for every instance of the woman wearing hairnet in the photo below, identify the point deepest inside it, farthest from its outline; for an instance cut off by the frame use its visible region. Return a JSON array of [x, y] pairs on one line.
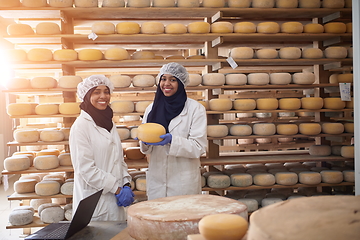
[[97, 154], [174, 163]]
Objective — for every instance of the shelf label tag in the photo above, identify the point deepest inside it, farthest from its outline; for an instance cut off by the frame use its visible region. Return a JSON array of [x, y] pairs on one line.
[[345, 91], [216, 91], [232, 62], [92, 36], [5, 180]]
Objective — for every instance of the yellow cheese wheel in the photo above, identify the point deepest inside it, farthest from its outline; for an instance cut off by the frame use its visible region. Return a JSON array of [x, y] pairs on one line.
[[345, 78], [43, 152], [90, 54], [267, 53], [242, 53], [220, 104], [113, 3], [286, 3], [236, 79], [123, 106], [188, 3], [286, 178], [332, 128], [349, 27], [241, 179], [320, 150], [103, 28], [69, 108], [141, 106], [34, 3], [120, 81], [313, 28], [199, 27], [150, 132], [265, 129], [347, 151], [312, 103], [116, 53], [312, 53], [291, 27], [46, 162], [16, 29], [223, 226], [128, 28], [335, 27], [7, 3], [303, 78], [258, 78], [244, 104], [65, 55], [217, 131], [69, 81], [333, 3], [309, 3], [268, 27], [267, 103], [138, 3], [311, 178], [222, 27], [331, 176], [47, 28], [51, 135], [349, 127], [309, 128], [335, 52], [18, 109], [47, 109], [244, 27], [290, 53], [43, 82], [194, 80], [16, 55], [287, 129], [39, 55], [60, 3], [47, 188], [86, 3], [264, 179], [240, 130], [213, 3], [163, 3], [280, 78], [289, 103], [334, 103], [17, 163], [175, 28], [143, 80], [18, 83], [263, 3], [205, 104], [152, 27], [349, 175], [143, 55], [213, 79]]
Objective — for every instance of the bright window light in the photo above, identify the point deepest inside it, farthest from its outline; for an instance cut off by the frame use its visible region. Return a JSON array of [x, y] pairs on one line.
[[6, 69]]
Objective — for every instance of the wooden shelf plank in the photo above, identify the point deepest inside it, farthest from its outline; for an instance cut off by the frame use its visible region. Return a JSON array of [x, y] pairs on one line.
[[16, 196], [282, 136], [36, 223], [34, 170], [37, 143]]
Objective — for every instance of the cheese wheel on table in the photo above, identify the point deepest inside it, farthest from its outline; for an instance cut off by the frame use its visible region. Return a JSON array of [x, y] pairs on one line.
[[334, 103], [26, 135], [47, 28], [17, 29], [152, 27], [25, 186], [138, 3], [17, 163], [143, 80], [217, 130], [39, 55], [280, 78], [86, 3], [289, 103], [150, 132], [312, 53], [175, 28], [335, 27], [291, 27], [69, 81], [335, 52], [116, 53], [268, 27], [244, 104], [47, 109], [128, 28], [65, 55], [236, 79], [60, 3], [34, 3], [286, 3], [69, 108], [258, 78], [123, 106], [51, 135], [199, 27], [163, 3], [240, 130], [244, 27], [290, 53], [267, 53], [18, 109], [220, 104], [242, 53], [303, 78], [46, 162], [143, 55], [213, 79], [172, 222], [287, 129], [113, 3], [265, 129], [309, 128], [222, 27], [309, 3], [120, 81], [267, 103], [313, 28], [103, 28], [320, 150], [90, 54]]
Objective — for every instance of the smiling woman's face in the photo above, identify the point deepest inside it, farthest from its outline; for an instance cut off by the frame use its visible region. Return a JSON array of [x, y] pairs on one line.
[[168, 84], [100, 97]]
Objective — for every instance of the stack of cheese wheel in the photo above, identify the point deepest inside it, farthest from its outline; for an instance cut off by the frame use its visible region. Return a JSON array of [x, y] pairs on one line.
[[213, 79], [165, 218], [123, 106], [69, 81], [244, 27], [116, 53], [69, 108], [150, 132], [86, 3], [16, 55], [90, 54], [65, 55], [222, 27], [143, 55], [143, 80], [40, 55], [199, 27], [175, 28], [120, 81], [138, 3], [152, 27], [18, 29], [128, 28], [47, 28]]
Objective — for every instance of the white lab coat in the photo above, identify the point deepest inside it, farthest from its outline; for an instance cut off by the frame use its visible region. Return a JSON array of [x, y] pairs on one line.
[[98, 162], [174, 169]]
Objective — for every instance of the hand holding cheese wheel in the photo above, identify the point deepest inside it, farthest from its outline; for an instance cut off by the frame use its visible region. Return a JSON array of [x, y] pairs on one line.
[[150, 132]]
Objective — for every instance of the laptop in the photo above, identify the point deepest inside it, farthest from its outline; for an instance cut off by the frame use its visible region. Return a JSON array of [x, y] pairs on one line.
[[64, 230]]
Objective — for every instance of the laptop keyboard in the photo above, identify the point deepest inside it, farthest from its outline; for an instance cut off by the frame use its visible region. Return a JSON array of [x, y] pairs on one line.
[[58, 233]]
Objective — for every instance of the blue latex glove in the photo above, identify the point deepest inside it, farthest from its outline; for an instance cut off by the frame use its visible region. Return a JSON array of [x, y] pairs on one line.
[[166, 139], [125, 197]]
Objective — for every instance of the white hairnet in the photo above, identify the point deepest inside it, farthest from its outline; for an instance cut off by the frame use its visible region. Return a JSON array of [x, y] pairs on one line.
[[93, 81], [176, 70]]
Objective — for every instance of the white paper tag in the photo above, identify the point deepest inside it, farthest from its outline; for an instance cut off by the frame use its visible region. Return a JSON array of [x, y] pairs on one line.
[[217, 142], [5, 180], [345, 91], [216, 91], [232, 62], [92, 36]]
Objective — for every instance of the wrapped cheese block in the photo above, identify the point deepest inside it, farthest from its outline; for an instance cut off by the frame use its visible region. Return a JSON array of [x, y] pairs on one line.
[[176, 217]]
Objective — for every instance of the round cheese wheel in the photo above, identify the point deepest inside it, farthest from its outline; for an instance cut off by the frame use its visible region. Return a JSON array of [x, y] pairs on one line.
[[289, 103], [194, 80], [205, 104], [102, 28], [345, 78], [175, 28], [287, 129], [25, 186], [36, 203], [213, 79], [138, 3], [6, 3], [291, 27], [143, 80], [65, 55], [303, 78], [17, 163], [331, 176], [244, 104], [334, 103], [43, 152], [240, 130], [332, 128], [188, 3], [16, 55], [213, 3], [199, 27], [349, 175], [347, 151], [141, 106], [86, 3], [67, 188], [134, 153], [335, 27], [20, 217], [236, 79], [69, 108], [60, 3], [286, 3], [313, 28], [222, 27], [218, 180], [47, 28], [17, 29], [311, 178], [90, 54], [46, 162], [220, 104], [265, 129], [143, 55], [333, 3], [349, 127], [52, 214], [242, 53], [39, 55], [34, 3], [264, 179], [163, 3], [263, 3], [258, 78], [280, 78], [120, 81], [152, 27], [172, 222], [320, 150], [51, 135], [268, 27], [123, 132], [350, 52], [241, 179], [69, 81], [335, 52], [310, 128], [217, 130], [223, 226], [18, 109], [43, 82], [18, 83], [312, 53], [26, 135], [290, 53], [123, 106], [244, 27], [286, 178], [267, 103], [150, 132], [128, 28], [65, 159], [47, 109], [349, 27], [47, 188], [267, 53], [116, 53], [309, 4]]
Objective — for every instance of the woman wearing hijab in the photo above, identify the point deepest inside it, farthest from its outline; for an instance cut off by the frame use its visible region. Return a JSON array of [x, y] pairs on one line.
[[174, 163], [97, 154]]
